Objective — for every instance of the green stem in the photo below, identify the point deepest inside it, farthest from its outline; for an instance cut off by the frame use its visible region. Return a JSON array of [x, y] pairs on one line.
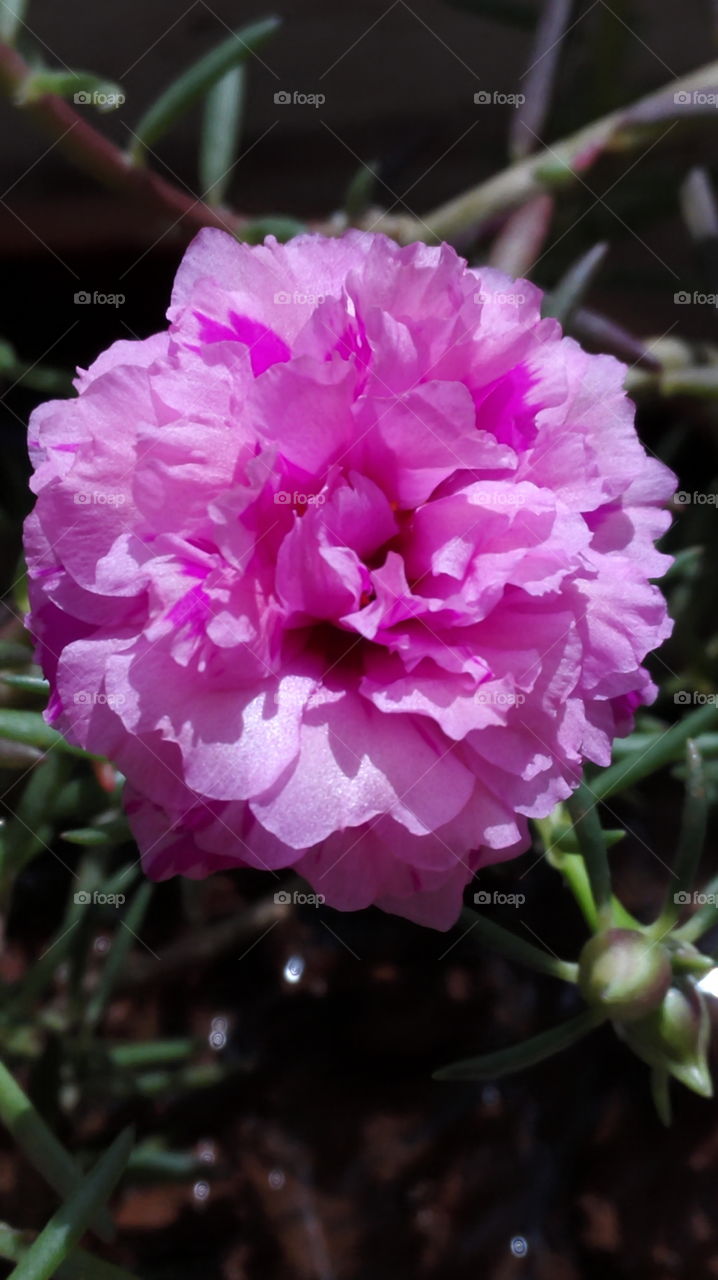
[[194, 83], [514, 948], [491, 1066], [95, 155], [691, 840], [589, 835], [122, 942], [40, 1145], [58, 1239], [544, 171], [80, 1265], [567, 296], [573, 869], [549, 169], [12, 13], [703, 919], [666, 749]]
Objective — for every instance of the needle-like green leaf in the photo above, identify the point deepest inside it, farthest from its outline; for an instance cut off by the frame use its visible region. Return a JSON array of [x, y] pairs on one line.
[[666, 748], [80, 1265], [84, 87], [592, 843], [491, 1066], [29, 726], [12, 13], [194, 83], [123, 940], [573, 287], [26, 684], [690, 842], [221, 128], [44, 1151], [57, 1240]]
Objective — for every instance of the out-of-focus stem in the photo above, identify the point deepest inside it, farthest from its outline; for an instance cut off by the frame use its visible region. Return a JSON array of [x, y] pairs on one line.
[[549, 169], [94, 154], [479, 928]]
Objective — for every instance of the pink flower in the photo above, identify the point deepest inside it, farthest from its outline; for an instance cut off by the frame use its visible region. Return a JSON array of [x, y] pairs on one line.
[[348, 570]]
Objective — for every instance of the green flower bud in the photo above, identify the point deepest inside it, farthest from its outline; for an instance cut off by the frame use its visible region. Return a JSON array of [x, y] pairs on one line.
[[675, 1037], [622, 973]]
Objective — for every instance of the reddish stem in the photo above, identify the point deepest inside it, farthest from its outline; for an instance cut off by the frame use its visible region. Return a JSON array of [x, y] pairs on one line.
[[93, 153]]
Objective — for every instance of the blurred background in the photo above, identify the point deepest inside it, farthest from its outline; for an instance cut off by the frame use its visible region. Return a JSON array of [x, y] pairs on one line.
[[276, 1060]]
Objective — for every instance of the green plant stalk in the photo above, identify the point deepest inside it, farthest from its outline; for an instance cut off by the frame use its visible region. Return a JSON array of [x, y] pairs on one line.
[[568, 295], [94, 154], [26, 684], [119, 951], [80, 1265], [667, 748], [492, 1066], [12, 13], [42, 1148], [690, 842], [205, 1075], [573, 869], [65, 1227], [30, 829], [66, 84], [190, 87], [221, 126], [41, 973], [703, 919], [508, 944], [152, 1052], [29, 727], [547, 170], [581, 806]]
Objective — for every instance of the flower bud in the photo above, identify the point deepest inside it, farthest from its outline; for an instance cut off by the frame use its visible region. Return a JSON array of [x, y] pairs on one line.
[[675, 1037], [621, 972]]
